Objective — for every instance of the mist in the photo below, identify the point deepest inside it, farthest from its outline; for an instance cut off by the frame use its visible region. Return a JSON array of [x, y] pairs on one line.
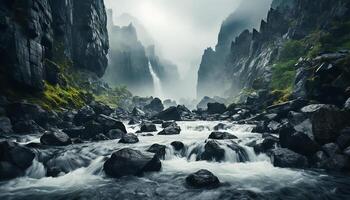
[[181, 30]]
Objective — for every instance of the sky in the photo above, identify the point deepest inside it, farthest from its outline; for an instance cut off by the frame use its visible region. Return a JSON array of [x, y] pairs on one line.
[[182, 29]]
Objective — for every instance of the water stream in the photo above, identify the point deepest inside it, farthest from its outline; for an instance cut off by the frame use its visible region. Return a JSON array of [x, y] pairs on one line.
[[256, 178]]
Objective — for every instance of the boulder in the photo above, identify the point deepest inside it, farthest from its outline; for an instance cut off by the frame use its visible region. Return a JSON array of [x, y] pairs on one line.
[[75, 132], [155, 105], [331, 149], [148, 127], [137, 112], [5, 125], [115, 134], [158, 149], [55, 138], [84, 115], [127, 162], [172, 113], [23, 111], [109, 123], [216, 135], [344, 139], [14, 160], [100, 108], [327, 122], [347, 105], [178, 146], [133, 121], [221, 126], [212, 152], [170, 130], [286, 158], [300, 143], [129, 138], [216, 108], [203, 179], [269, 142], [92, 128], [168, 123], [27, 127]]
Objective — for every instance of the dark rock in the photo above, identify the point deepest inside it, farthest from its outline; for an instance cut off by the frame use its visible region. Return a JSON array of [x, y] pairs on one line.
[[330, 149], [301, 143], [129, 138], [52, 72], [5, 125], [158, 149], [115, 134], [178, 146], [344, 139], [100, 108], [221, 126], [202, 179], [27, 127], [347, 105], [216, 135], [92, 128], [216, 108], [148, 127], [170, 130], [23, 111], [287, 158], [155, 105], [171, 113], [55, 138], [157, 121], [53, 172], [273, 127], [109, 123], [212, 152], [267, 144], [168, 123], [100, 137], [14, 160], [131, 162], [260, 127], [84, 115], [75, 132], [138, 112], [338, 162], [347, 151], [326, 120], [133, 121]]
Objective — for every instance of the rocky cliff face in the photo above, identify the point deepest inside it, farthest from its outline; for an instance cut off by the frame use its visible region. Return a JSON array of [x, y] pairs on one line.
[[254, 57], [34, 32]]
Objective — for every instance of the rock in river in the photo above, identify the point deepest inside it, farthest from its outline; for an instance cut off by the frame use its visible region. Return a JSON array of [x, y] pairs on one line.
[[203, 179], [131, 162]]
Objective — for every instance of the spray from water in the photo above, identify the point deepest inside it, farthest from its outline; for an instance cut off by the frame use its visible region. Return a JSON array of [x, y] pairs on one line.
[[156, 82]]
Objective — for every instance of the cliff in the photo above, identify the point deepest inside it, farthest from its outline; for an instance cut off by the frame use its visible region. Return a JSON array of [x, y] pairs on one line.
[[265, 59], [36, 35]]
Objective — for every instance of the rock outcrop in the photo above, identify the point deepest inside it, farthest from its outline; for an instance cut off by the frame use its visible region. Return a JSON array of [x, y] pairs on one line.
[[36, 31]]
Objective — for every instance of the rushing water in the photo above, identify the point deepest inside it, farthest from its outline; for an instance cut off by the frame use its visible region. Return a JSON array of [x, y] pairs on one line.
[[156, 81], [254, 179]]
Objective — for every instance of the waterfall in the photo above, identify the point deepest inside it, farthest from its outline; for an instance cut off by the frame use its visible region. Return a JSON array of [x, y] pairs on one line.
[[156, 81]]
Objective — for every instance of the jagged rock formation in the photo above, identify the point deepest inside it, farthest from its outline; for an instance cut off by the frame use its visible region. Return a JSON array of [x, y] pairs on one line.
[[129, 64], [35, 31], [252, 54], [213, 64]]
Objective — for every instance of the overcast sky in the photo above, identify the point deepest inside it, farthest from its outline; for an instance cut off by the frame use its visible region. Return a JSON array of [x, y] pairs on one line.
[[182, 29]]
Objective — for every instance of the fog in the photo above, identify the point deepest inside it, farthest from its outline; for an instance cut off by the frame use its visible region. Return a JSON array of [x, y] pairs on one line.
[[182, 29]]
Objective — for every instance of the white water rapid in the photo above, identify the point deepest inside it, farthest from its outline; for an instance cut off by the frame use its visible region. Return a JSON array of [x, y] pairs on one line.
[[244, 175], [156, 82]]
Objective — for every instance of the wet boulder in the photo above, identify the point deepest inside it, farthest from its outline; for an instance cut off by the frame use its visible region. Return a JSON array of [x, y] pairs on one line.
[[127, 162], [344, 139], [148, 127], [216, 108], [178, 146], [170, 130], [27, 127], [155, 105], [158, 149], [172, 113], [23, 111], [129, 138], [203, 179], [137, 112], [301, 143], [92, 128], [84, 115], [216, 135], [14, 160], [212, 152], [169, 123], [133, 121], [221, 126], [109, 123], [75, 132], [115, 134], [55, 138], [288, 159], [100, 108], [5, 125], [327, 121], [269, 142]]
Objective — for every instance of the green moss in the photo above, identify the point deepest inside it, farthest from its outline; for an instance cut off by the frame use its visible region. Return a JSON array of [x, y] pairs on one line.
[[114, 97], [281, 96], [292, 49], [283, 74]]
